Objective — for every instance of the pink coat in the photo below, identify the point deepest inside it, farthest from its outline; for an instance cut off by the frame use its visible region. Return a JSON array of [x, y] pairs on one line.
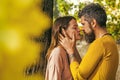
[[58, 65]]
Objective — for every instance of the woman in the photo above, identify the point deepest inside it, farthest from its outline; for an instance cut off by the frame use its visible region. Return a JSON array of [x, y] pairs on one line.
[[57, 58]]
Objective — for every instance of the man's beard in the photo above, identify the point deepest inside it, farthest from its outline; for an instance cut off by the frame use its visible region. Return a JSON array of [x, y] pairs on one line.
[[90, 37]]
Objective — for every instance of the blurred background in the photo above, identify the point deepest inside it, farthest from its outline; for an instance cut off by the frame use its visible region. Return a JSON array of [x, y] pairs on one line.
[[112, 7], [25, 30]]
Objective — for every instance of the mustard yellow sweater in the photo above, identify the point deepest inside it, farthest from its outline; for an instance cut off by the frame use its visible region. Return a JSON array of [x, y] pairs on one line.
[[99, 63]]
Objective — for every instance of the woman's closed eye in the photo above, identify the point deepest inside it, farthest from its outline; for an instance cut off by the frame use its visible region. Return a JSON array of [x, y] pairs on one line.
[[74, 28]]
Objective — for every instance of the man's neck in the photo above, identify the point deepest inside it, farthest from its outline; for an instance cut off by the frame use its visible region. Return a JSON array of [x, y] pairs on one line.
[[100, 33]]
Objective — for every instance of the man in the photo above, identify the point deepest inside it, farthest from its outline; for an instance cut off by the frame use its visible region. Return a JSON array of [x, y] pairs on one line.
[[101, 59]]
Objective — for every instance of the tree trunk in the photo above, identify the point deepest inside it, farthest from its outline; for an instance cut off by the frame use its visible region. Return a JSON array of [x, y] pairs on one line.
[[46, 37]]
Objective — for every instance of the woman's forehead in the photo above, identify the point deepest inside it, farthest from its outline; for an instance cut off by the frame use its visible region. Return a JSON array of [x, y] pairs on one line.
[[73, 22]]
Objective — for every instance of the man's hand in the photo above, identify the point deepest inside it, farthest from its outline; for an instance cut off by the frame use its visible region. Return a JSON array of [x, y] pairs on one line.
[[67, 43]]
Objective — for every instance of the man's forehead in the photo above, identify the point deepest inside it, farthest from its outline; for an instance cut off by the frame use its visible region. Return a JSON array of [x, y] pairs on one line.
[[82, 19]]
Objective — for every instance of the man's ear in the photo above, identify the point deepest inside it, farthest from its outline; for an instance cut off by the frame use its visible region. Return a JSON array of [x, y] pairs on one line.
[[93, 23]]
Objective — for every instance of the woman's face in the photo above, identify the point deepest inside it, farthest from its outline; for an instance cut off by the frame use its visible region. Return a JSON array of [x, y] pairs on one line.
[[73, 28]]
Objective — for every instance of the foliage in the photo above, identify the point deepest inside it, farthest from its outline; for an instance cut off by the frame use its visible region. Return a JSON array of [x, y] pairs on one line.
[[20, 21], [113, 22], [112, 9]]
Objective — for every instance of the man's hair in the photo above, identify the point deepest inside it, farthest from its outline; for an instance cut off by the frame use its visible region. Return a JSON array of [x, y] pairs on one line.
[[94, 11]]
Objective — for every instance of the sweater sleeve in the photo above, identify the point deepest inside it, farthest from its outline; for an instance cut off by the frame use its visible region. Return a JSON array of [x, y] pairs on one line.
[[88, 63]]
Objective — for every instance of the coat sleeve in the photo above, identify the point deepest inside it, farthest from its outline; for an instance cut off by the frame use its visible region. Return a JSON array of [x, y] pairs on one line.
[[54, 66]]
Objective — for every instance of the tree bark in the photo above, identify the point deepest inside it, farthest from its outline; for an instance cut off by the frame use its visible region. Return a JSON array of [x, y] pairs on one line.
[[46, 37]]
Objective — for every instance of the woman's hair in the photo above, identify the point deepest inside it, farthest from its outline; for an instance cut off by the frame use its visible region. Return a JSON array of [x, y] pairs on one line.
[[59, 23]]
